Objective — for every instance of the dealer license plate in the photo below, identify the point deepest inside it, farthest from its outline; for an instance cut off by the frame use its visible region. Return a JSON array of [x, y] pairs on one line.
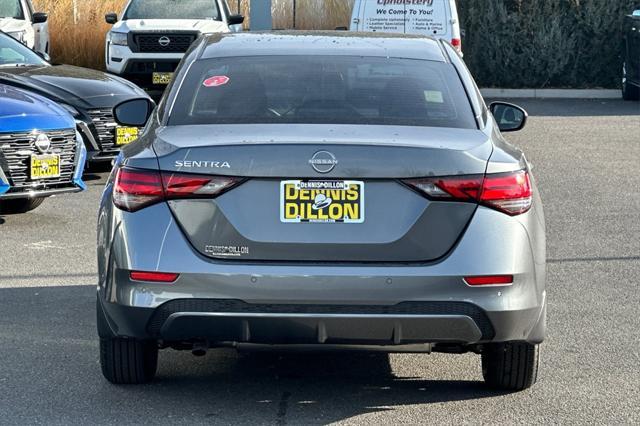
[[162, 78], [321, 201], [45, 166], [126, 135]]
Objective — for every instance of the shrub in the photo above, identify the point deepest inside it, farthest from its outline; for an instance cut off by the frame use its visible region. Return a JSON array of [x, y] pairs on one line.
[[544, 43]]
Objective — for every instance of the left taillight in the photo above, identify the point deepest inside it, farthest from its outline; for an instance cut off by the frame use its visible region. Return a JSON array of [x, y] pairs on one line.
[[509, 193], [135, 189]]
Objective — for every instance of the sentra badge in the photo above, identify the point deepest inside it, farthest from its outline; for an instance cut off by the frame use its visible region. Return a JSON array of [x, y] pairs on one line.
[[203, 164]]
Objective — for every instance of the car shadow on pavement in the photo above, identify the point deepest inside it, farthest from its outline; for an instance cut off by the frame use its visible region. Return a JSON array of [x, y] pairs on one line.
[[48, 343]]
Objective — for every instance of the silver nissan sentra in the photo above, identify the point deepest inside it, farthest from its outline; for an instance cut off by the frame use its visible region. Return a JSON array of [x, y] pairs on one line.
[[322, 191]]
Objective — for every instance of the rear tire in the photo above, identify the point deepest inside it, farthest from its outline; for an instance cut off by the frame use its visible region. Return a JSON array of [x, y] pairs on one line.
[[128, 361], [20, 205], [510, 365], [630, 92]]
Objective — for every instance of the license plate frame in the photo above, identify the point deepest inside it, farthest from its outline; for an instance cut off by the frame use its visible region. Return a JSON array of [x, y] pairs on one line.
[[124, 135], [325, 201], [45, 166], [161, 78]]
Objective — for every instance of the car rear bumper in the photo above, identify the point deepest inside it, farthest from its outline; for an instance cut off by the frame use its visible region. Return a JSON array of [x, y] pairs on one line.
[[231, 321], [334, 303]]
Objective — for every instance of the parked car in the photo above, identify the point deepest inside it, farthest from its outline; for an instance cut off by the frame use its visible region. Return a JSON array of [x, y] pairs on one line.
[[435, 18], [41, 153], [18, 19], [88, 95], [148, 41], [631, 66], [327, 190]]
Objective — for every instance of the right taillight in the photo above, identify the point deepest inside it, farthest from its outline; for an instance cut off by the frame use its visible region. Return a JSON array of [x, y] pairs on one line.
[[135, 189], [508, 192]]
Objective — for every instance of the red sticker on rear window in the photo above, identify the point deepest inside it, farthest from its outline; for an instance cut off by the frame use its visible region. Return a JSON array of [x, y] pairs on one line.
[[215, 81]]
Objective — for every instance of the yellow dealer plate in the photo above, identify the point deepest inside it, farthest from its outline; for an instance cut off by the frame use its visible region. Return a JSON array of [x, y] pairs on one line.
[[126, 135], [45, 166], [321, 201], [162, 78]]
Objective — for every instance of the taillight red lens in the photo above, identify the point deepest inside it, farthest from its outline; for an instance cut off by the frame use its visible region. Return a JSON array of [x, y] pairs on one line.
[[490, 280], [185, 186], [154, 277], [457, 43], [135, 189], [508, 192], [458, 188]]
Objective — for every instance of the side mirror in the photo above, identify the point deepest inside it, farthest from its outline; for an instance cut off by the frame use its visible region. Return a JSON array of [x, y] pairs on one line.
[[510, 118], [44, 55], [235, 19], [134, 112], [111, 18], [39, 17]]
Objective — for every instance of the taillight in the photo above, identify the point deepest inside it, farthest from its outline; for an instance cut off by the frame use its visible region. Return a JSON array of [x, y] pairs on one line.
[[153, 277], [508, 192], [135, 189], [457, 43]]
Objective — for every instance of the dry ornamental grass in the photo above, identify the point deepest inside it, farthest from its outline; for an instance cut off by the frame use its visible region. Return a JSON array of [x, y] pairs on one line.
[[77, 35]]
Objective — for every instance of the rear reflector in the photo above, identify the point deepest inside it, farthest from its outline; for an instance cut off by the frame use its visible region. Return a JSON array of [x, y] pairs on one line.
[[135, 189], [154, 277], [489, 280], [508, 192], [457, 43]]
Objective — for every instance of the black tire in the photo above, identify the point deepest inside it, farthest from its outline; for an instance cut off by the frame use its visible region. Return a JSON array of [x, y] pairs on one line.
[[128, 361], [511, 365], [20, 205], [630, 92]]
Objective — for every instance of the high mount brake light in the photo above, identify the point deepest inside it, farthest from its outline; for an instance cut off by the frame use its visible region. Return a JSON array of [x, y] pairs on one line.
[[135, 189], [509, 193]]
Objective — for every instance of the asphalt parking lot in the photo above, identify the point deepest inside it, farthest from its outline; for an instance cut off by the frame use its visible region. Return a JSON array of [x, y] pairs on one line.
[[585, 155]]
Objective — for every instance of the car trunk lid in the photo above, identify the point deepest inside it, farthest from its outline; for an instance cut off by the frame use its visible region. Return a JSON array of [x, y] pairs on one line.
[[385, 222]]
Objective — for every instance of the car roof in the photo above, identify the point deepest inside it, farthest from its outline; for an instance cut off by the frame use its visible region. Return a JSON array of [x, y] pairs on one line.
[[332, 43]]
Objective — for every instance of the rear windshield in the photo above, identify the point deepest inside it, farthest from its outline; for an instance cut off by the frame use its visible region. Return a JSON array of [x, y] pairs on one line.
[[173, 9], [323, 90]]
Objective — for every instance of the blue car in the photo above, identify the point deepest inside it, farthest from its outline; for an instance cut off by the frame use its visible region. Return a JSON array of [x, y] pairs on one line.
[[41, 153]]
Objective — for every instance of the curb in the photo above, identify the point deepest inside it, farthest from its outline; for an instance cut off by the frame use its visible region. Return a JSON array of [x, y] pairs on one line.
[[553, 93]]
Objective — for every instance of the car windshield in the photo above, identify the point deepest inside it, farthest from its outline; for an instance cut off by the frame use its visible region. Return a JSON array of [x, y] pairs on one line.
[[11, 9], [173, 9], [14, 53], [323, 90]]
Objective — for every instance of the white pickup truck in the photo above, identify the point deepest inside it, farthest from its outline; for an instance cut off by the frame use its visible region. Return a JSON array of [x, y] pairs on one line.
[[150, 37], [18, 19]]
